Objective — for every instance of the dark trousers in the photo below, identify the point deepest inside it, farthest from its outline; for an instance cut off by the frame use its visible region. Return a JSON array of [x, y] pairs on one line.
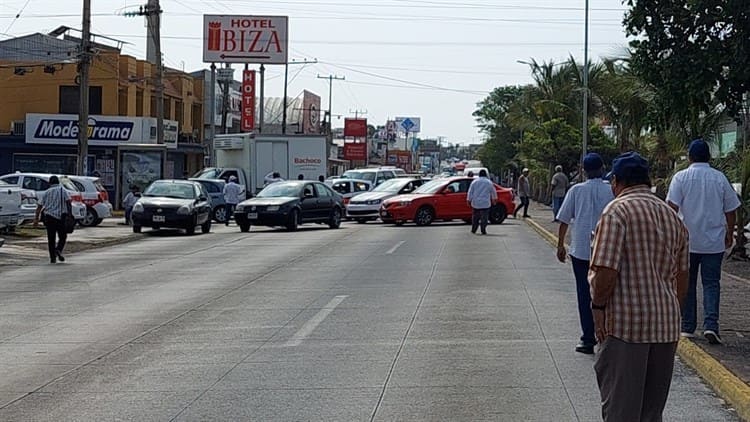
[[479, 217], [581, 272], [55, 230], [229, 211], [557, 202], [128, 213], [525, 205], [634, 379]]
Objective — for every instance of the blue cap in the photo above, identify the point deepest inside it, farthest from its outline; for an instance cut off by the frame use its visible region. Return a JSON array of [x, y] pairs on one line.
[[699, 150], [592, 161], [628, 165]]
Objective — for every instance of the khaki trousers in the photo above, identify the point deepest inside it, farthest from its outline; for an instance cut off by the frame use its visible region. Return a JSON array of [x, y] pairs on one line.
[[634, 379]]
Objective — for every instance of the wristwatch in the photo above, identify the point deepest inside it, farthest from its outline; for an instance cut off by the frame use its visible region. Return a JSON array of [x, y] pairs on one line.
[[598, 307]]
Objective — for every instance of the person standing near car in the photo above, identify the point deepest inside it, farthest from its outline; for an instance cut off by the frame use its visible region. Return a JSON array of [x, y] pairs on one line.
[[130, 199], [232, 191], [559, 185], [524, 193], [638, 278], [707, 204], [481, 197], [581, 209], [54, 205]]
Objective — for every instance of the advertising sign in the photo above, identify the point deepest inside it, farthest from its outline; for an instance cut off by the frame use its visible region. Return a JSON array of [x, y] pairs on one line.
[[310, 113], [248, 101], [355, 128], [409, 124], [401, 159], [62, 129], [245, 39], [140, 168], [355, 151]]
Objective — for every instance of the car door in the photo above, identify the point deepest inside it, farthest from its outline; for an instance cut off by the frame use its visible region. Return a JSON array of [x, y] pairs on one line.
[[325, 201], [309, 203], [452, 203]]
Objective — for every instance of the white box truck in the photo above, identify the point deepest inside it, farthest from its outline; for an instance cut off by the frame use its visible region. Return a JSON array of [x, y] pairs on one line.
[[251, 157]]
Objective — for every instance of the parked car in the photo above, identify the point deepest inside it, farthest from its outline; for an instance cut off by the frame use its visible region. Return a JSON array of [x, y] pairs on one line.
[[442, 199], [95, 197], [10, 207], [349, 188], [366, 207], [375, 176], [176, 204], [289, 204], [38, 183], [215, 190]]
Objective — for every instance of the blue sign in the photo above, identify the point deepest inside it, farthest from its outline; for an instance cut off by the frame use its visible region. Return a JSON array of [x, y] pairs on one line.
[[115, 131], [407, 124]]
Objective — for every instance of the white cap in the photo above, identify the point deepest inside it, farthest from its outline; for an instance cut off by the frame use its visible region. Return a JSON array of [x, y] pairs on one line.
[[525, 170]]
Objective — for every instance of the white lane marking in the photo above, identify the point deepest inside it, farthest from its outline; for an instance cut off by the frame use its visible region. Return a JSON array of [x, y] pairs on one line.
[[393, 249], [313, 323]]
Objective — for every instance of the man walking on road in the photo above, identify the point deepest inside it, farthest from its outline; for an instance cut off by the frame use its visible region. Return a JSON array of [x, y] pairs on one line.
[[707, 204], [54, 205], [559, 185], [232, 192], [481, 197], [638, 276], [524, 193], [582, 207]]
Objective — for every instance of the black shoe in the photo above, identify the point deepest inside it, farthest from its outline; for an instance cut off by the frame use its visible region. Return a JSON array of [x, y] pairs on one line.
[[473, 232], [586, 349], [712, 337], [52, 261], [60, 256], [484, 233]]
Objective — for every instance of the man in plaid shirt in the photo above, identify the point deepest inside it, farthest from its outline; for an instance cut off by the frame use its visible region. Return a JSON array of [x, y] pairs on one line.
[[638, 277]]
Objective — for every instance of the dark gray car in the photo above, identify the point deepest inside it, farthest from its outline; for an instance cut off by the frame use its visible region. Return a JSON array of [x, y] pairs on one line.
[[215, 189]]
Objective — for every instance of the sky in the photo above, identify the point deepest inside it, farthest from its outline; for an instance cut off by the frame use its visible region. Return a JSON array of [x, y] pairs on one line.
[[429, 59]]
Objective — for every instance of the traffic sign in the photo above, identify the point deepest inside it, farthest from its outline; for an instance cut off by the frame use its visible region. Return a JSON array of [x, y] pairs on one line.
[[409, 124]]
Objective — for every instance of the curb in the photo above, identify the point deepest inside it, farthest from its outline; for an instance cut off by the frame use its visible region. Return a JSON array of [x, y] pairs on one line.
[[727, 385]]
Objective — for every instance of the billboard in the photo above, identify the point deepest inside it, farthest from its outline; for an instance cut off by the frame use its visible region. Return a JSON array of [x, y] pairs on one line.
[[355, 151], [355, 128], [409, 124], [401, 159], [247, 122], [310, 113], [245, 39]]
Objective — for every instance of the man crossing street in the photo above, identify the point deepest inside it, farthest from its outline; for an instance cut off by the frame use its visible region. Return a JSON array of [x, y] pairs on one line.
[[481, 197]]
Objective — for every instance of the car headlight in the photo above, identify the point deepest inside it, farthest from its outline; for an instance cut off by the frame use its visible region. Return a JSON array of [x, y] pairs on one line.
[[239, 208], [138, 207], [404, 203], [374, 202], [185, 210]]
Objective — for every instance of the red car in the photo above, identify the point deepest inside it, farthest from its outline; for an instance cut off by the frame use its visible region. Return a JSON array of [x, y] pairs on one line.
[[442, 199]]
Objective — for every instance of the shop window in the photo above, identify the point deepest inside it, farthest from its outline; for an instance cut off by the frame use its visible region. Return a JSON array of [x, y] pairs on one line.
[[69, 103]]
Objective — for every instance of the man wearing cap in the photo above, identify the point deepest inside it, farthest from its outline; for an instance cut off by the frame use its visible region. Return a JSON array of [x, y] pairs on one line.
[[707, 204], [232, 192], [524, 193], [638, 277], [559, 184], [582, 208]]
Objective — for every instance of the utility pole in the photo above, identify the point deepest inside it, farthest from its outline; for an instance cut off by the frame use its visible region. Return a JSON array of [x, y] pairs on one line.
[[211, 104], [286, 84], [357, 113], [585, 86], [84, 62], [262, 105], [331, 78], [226, 82]]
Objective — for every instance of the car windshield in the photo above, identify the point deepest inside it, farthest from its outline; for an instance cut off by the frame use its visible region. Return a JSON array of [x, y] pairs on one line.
[[279, 190], [361, 175], [171, 190], [69, 185], [431, 187], [3, 182], [393, 185], [208, 174]]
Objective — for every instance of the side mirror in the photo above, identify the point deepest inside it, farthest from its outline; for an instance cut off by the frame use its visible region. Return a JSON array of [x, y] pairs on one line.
[[202, 198]]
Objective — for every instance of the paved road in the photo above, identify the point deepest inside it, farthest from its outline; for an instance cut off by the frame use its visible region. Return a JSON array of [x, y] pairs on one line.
[[363, 323]]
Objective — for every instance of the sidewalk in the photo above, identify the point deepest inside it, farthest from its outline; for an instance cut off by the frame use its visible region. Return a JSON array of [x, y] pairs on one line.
[[729, 370], [31, 244]]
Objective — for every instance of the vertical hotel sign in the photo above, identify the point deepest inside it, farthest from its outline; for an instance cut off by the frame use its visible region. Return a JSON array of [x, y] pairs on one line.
[[247, 122], [245, 39]]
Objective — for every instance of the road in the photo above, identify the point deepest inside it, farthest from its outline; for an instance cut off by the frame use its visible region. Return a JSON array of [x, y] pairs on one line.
[[363, 323]]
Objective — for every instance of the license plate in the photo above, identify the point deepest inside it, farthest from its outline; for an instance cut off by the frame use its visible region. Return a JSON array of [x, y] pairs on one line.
[[252, 216], [159, 219]]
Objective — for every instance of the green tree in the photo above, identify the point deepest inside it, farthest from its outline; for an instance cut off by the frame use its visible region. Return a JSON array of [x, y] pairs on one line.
[[499, 150]]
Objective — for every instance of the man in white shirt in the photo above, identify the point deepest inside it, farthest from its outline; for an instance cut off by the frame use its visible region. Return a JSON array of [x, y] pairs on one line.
[[272, 177], [581, 209], [232, 193], [707, 204], [481, 197], [54, 205]]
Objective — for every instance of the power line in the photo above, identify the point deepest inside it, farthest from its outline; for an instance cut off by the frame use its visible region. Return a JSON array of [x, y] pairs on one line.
[[18, 15]]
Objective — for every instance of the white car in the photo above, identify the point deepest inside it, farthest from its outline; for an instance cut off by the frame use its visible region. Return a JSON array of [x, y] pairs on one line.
[[95, 197], [10, 206], [349, 188], [37, 183], [366, 207], [376, 176]]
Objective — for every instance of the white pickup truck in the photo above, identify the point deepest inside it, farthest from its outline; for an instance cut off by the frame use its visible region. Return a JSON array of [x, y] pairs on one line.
[[10, 206]]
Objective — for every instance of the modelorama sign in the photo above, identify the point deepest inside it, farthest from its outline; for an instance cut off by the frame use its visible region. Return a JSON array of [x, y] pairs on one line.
[[62, 129], [245, 39]]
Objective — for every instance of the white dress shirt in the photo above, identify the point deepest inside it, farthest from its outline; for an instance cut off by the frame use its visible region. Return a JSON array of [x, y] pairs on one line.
[[232, 193], [703, 195], [581, 209], [54, 200], [481, 193]]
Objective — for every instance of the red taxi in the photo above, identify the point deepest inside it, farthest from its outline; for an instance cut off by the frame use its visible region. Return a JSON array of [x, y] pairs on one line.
[[442, 199]]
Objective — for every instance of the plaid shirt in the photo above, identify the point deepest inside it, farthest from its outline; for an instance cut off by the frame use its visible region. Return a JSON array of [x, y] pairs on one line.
[[644, 240]]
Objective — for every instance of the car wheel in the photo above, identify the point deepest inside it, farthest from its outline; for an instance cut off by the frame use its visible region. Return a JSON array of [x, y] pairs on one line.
[[244, 227], [206, 227], [335, 221], [89, 220], [220, 214], [190, 230], [98, 221], [424, 217], [293, 222], [136, 229], [399, 223], [498, 214]]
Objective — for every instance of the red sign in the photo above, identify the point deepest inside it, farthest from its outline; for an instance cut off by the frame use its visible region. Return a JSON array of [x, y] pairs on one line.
[[245, 39], [248, 101], [401, 159], [355, 128], [355, 151]]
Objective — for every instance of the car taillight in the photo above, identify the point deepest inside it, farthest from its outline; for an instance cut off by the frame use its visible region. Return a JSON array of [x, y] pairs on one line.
[[76, 197], [103, 196]]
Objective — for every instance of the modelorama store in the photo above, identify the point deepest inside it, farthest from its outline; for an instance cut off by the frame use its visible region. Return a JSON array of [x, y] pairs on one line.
[[122, 150]]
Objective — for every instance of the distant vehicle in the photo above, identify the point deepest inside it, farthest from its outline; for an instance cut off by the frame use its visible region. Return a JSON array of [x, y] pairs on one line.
[[35, 184], [349, 188], [215, 190], [176, 204], [442, 199], [290, 204], [10, 206], [366, 207], [475, 171], [375, 176], [96, 199]]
